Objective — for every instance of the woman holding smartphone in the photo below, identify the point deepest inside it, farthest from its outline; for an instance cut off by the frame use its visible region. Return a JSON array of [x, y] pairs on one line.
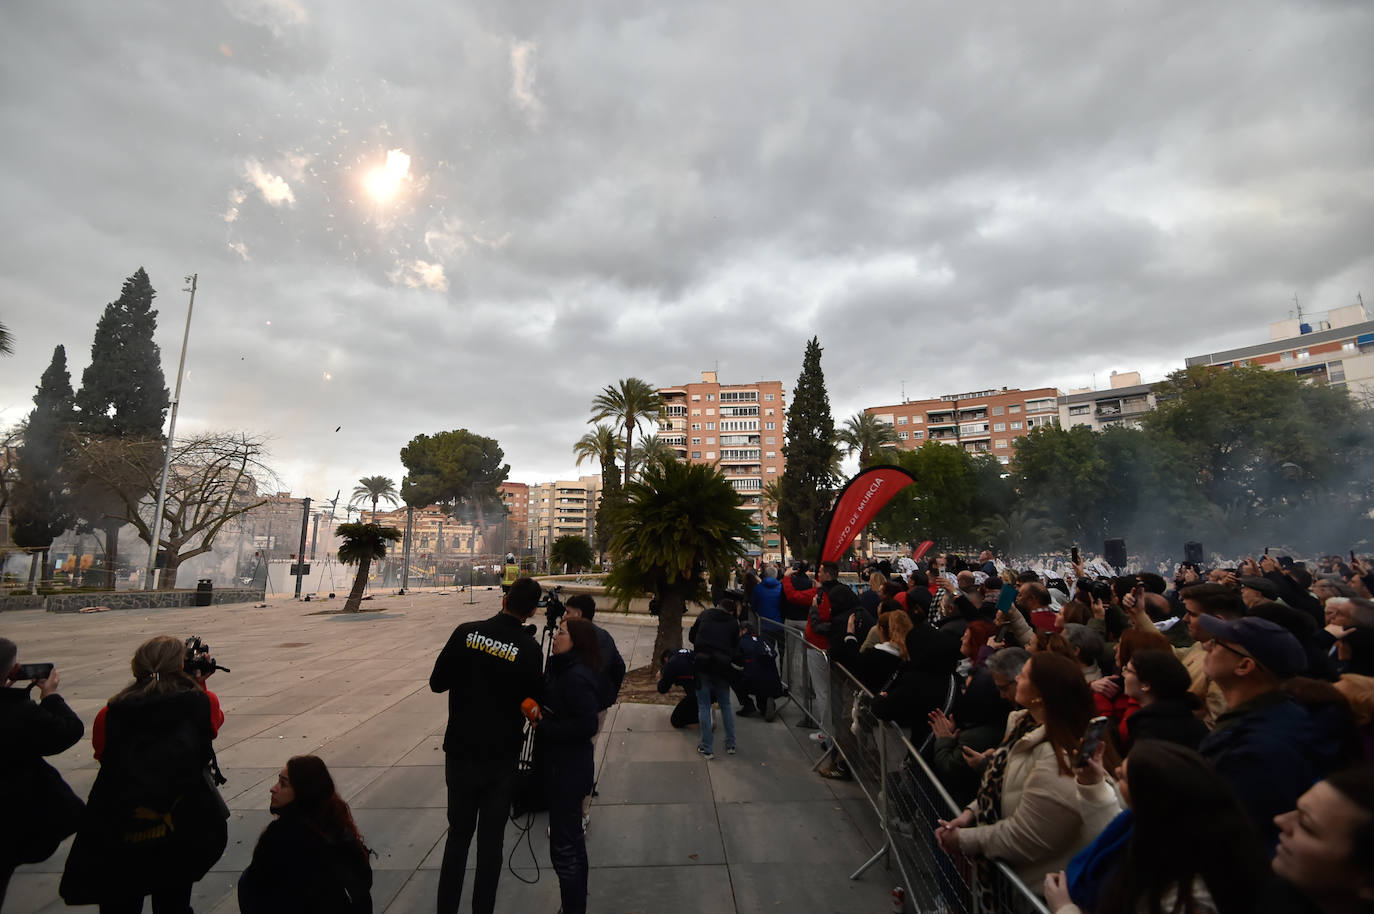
[[1027, 811]]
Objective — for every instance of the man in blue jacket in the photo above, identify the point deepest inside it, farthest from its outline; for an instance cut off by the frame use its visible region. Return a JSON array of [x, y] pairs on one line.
[[1268, 745], [767, 605]]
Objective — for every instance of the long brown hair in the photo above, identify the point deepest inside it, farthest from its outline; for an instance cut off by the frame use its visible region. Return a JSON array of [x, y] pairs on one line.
[[157, 669], [896, 624], [1068, 703], [584, 643], [319, 802]]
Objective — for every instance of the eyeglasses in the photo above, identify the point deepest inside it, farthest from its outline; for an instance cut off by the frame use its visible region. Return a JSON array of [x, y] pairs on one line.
[[1216, 642]]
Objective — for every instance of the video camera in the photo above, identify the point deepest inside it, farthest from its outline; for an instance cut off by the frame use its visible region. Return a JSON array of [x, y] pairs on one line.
[[553, 606], [198, 659]]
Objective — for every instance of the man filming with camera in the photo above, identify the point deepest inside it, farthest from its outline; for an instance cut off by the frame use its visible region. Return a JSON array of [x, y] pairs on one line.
[[489, 669]]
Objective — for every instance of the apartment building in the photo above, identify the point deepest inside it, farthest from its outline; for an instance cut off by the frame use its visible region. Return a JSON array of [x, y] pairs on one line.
[[1338, 350], [738, 428], [979, 421], [1123, 403], [562, 507], [516, 497]]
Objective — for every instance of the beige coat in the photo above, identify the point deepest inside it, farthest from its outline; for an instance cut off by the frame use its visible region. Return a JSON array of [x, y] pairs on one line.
[[1043, 822], [1208, 692]]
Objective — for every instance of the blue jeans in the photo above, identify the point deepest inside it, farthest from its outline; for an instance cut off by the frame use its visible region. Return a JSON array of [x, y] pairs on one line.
[[714, 688]]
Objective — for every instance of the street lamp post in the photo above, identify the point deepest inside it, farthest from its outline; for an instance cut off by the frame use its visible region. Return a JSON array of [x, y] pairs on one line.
[[171, 434]]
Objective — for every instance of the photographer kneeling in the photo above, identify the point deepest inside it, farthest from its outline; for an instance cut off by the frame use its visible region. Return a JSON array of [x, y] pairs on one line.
[[40, 809]]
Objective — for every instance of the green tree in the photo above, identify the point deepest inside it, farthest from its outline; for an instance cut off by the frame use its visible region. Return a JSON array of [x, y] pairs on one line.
[[362, 544], [953, 492], [572, 551], [866, 435], [123, 399], [807, 486], [1020, 531], [459, 470], [374, 489], [1061, 473], [602, 444], [652, 449], [123, 392], [770, 499], [680, 522], [630, 403], [40, 506]]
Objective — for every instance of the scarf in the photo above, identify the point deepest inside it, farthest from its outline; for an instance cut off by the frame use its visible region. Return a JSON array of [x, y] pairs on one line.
[[1093, 867], [987, 807]]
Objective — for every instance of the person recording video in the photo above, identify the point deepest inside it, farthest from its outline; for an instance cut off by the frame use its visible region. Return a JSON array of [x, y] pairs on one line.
[[488, 668], [38, 804]]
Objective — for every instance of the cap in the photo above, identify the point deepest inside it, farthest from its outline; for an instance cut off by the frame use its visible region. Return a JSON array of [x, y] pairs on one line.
[[1272, 645], [1263, 585]]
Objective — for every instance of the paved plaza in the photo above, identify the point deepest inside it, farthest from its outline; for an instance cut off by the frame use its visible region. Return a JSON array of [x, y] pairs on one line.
[[670, 832]]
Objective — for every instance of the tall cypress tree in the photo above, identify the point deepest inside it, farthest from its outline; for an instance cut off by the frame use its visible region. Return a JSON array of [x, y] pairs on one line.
[[810, 451], [40, 508], [123, 391], [123, 396]]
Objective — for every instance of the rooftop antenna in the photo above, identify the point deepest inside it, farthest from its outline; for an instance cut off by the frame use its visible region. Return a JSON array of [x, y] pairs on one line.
[[1298, 305], [903, 390]]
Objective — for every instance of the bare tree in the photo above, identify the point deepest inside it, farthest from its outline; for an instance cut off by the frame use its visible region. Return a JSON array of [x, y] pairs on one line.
[[214, 478]]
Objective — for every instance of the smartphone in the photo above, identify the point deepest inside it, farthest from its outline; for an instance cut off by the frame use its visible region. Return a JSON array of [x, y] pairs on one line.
[[1073, 555], [1006, 598], [1266, 550], [33, 672], [1286, 561], [1097, 729]]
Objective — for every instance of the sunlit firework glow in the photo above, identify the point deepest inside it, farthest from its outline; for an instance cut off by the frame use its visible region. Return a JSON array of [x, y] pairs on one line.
[[384, 181]]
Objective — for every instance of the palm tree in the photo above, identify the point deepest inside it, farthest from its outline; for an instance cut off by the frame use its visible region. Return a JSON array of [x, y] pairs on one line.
[[772, 498], [372, 488], [653, 450], [633, 402], [6, 341], [866, 434], [601, 444], [361, 544], [1021, 532], [571, 551], [680, 522]]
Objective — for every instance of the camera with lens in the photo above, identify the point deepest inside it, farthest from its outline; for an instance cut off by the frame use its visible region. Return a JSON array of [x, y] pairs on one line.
[[198, 659], [553, 606]]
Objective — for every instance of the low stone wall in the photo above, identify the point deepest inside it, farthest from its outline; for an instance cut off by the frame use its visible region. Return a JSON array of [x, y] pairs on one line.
[[127, 599]]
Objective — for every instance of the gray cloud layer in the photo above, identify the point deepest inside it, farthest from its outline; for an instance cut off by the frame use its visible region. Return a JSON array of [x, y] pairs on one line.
[[1016, 194]]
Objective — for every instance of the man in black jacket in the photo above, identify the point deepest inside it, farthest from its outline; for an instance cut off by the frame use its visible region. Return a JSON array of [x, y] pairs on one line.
[[583, 606], [715, 635], [488, 669], [39, 808], [679, 669]]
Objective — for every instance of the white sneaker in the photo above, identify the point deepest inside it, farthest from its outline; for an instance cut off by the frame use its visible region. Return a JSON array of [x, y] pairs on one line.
[[819, 737]]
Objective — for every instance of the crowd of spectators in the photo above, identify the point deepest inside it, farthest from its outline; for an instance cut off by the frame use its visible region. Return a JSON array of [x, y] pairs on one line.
[[1236, 707]]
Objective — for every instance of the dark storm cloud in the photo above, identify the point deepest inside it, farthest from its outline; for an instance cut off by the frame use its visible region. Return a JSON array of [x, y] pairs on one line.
[[951, 198]]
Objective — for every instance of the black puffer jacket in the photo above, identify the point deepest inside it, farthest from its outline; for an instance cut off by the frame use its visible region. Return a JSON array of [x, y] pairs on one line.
[[31, 790], [1170, 721], [156, 752], [571, 702], [297, 869]]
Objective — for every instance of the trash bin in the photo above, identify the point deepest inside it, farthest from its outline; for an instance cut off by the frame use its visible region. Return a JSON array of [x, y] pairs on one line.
[[205, 591]]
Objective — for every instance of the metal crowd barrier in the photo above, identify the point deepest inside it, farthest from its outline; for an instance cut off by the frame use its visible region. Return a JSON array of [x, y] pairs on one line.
[[904, 792]]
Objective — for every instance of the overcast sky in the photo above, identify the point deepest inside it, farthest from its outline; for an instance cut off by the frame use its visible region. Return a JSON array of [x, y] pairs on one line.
[[411, 217]]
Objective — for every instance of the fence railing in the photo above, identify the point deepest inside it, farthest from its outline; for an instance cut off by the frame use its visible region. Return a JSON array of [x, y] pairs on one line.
[[904, 791]]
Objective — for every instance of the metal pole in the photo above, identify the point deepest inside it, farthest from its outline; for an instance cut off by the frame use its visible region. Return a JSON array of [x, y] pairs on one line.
[[171, 434], [300, 553], [315, 535], [405, 556]]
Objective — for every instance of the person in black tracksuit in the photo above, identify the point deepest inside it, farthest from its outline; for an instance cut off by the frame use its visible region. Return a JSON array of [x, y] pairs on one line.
[[564, 740], [679, 668], [488, 669]]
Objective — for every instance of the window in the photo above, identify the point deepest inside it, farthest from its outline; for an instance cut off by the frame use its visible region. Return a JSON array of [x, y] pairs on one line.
[[710, 455], [710, 426], [696, 426], [901, 435], [772, 455], [696, 441], [696, 412], [770, 412], [770, 425], [696, 455], [917, 434], [1080, 410], [999, 426], [1000, 442], [1003, 460], [711, 411], [770, 440], [1015, 426], [1013, 409], [711, 398], [1285, 356], [917, 420], [696, 397], [1335, 371], [1304, 354], [1349, 346], [998, 410], [772, 469], [903, 420], [769, 397]]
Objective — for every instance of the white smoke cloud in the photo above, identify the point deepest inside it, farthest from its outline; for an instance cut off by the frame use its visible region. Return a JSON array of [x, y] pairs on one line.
[[236, 197], [446, 240], [419, 274], [239, 248], [274, 15], [273, 188], [524, 70]]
